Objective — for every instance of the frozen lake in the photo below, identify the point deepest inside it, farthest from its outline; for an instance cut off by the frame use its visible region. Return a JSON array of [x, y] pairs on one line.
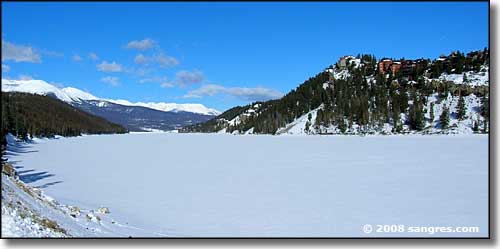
[[224, 185]]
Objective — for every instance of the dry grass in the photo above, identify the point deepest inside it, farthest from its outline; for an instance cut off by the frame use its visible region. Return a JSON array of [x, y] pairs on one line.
[[52, 225]]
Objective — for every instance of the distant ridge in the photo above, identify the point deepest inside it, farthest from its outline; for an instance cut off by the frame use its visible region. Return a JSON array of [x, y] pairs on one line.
[[133, 116], [71, 94]]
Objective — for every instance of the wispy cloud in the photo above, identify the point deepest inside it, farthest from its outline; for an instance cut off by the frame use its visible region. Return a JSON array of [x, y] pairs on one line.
[[167, 84], [111, 80], [108, 67], [162, 81], [184, 77], [153, 80], [141, 45], [25, 77], [161, 59], [93, 56], [5, 68], [141, 59], [244, 93], [51, 53], [76, 57], [165, 60], [19, 53]]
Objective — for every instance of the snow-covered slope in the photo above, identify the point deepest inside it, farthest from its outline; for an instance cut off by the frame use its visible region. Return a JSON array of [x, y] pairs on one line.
[[78, 94], [465, 126], [71, 94], [471, 78], [169, 107], [39, 87], [472, 83], [302, 125]]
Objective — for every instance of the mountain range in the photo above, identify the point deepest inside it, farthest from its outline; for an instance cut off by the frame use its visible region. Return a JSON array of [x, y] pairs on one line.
[[134, 116]]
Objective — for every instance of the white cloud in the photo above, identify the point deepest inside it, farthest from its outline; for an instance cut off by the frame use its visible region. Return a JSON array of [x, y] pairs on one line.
[[167, 84], [153, 80], [113, 81], [5, 68], [51, 53], [161, 59], [19, 53], [93, 56], [244, 93], [143, 72], [141, 59], [163, 81], [166, 61], [76, 57], [25, 77], [112, 67], [184, 78], [141, 45]]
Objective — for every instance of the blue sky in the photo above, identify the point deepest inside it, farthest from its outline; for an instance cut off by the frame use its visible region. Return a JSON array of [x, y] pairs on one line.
[[220, 54]]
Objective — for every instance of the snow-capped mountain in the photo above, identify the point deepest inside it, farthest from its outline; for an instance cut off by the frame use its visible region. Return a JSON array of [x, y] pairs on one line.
[[41, 87], [135, 116], [71, 94], [78, 94], [169, 107]]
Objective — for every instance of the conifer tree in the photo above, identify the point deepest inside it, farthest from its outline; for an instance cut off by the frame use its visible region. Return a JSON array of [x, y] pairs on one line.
[[416, 114], [475, 126], [461, 108], [432, 112], [485, 110], [444, 119]]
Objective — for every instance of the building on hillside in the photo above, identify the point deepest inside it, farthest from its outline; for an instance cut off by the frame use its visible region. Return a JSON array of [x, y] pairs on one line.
[[420, 64], [407, 67], [344, 60], [384, 66], [478, 55], [395, 67]]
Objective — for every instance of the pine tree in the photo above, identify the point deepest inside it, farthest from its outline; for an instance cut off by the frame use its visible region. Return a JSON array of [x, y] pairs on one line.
[[432, 113], [461, 108], [341, 125], [475, 126], [485, 110], [308, 125], [416, 114], [444, 119]]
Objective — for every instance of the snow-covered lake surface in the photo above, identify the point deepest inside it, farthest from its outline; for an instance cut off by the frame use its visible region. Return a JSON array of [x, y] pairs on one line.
[[224, 185]]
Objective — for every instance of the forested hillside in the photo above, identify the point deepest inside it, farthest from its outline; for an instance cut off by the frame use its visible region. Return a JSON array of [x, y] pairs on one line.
[[26, 115], [360, 95]]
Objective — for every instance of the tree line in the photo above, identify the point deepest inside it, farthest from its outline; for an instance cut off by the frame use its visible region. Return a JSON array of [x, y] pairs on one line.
[[27, 115]]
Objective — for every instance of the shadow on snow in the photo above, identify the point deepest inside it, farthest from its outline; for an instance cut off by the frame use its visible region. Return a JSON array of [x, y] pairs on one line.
[[16, 148]]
